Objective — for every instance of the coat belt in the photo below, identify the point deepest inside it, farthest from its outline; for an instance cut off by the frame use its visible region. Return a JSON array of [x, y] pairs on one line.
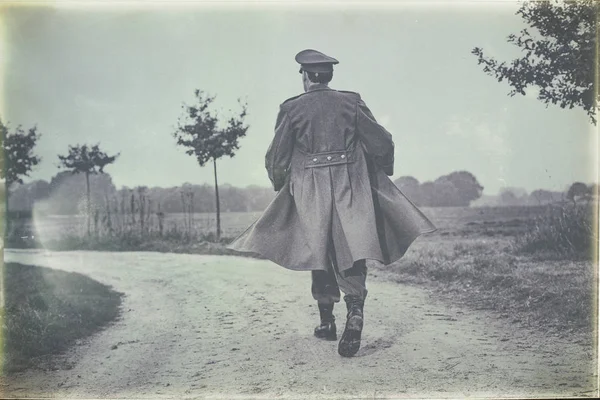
[[328, 159]]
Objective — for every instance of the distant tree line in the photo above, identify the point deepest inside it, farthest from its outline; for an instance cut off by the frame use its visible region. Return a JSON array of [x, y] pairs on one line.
[[457, 189], [66, 194], [461, 189], [577, 193]]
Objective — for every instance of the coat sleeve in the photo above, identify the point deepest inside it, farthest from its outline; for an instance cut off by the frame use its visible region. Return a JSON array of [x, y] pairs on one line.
[[375, 138], [279, 154]]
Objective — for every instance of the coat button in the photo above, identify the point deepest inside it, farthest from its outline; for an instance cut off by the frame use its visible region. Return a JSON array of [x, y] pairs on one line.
[[343, 156], [329, 158], [314, 159]]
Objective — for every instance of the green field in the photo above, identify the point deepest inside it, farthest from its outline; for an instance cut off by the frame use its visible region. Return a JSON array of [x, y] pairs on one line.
[[451, 221]]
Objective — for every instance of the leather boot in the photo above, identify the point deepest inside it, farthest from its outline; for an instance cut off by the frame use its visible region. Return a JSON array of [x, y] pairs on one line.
[[350, 341], [327, 328]]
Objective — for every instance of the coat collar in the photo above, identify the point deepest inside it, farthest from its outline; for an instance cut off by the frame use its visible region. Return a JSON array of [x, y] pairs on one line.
[[318, 86]]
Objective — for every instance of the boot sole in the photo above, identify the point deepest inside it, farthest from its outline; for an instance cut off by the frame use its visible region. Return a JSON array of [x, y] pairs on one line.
[[350, 342]]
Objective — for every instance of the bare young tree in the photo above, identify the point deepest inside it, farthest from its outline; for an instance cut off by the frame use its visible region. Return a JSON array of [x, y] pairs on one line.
[[89, 161], [199, 132]]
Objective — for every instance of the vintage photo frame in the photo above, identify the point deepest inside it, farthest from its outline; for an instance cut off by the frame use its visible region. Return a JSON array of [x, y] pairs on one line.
[[437, 336]]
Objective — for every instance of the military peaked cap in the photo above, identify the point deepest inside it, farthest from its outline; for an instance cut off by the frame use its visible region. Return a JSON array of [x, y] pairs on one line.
[[315, 61]]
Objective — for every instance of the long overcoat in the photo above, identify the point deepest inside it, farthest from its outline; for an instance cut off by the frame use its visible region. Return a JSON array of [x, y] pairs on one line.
[[330, 161]]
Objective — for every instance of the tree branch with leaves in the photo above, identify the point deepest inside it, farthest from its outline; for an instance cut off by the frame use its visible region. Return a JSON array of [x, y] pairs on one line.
[[560, 58], [199, 132], [17, 159]]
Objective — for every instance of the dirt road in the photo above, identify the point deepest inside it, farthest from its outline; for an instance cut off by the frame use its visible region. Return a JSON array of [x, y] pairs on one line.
[[227, 327]]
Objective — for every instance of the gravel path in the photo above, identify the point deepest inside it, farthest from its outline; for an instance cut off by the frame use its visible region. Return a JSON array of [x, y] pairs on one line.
[[227, 327]]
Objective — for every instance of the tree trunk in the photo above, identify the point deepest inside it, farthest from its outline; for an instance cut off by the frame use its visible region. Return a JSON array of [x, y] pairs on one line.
[[218, 204], [6, 219], [89, 208]]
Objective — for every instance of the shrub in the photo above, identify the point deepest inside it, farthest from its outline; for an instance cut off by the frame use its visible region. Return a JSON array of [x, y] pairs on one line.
[[567, 230]]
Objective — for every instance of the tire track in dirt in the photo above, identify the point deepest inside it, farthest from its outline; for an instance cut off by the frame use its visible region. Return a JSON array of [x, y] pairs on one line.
[[221, 327]]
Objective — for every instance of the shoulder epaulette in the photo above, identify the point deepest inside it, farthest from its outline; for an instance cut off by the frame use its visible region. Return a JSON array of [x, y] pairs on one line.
[[348, 91], [293, 98]]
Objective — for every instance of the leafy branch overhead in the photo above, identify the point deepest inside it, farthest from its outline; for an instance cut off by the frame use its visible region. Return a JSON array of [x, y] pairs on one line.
[[17, 158], [86, 159], [559, 59], [200, 134]]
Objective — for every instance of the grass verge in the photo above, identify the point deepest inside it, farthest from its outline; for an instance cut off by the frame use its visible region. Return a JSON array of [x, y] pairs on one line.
[[128, 243], [554, 295], [195, 244], [47, 310]]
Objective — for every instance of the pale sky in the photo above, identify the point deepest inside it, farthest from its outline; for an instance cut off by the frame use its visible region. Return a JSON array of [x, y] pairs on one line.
[[119, 75]]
